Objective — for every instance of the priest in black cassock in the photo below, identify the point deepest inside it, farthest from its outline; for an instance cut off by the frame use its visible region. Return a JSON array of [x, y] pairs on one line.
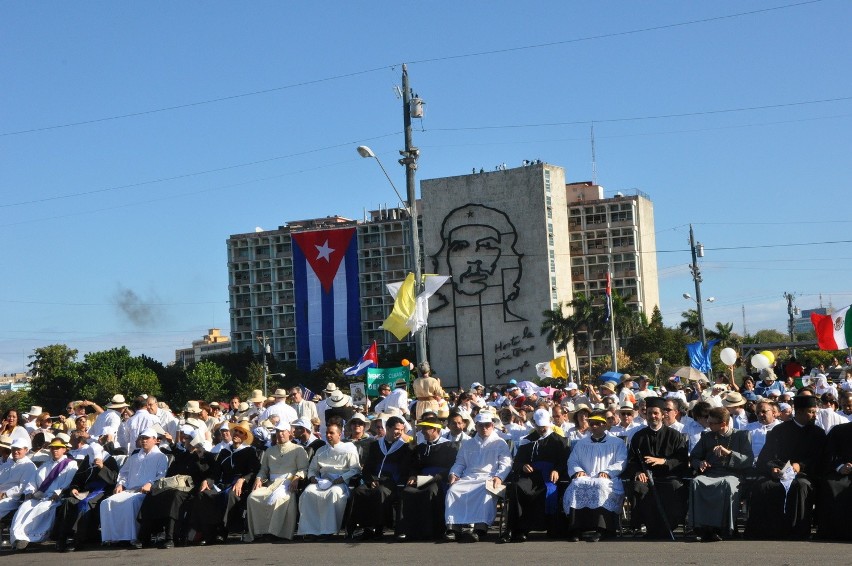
[[421, 514], [539, 464], [385, 467], [661, 453], [218, 507], [77, 516], [774, 511], [835, 492]]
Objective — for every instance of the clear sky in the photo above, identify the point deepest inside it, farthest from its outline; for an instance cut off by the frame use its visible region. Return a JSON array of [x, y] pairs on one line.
[[136, 137]]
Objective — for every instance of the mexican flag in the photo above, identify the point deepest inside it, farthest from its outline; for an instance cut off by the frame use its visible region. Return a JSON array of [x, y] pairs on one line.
[[833, 332]]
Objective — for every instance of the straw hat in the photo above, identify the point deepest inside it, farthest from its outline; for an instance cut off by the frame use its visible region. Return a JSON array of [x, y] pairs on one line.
[[280, 394], [245, 430], [733, 399], [192, 407], [117, 402], [330, 388], [338, 399], [257, 396]]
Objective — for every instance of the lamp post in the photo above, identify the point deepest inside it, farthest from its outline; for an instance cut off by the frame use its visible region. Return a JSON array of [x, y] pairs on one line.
[[409, 161], [264, 349], [697, 251], [700, 314]]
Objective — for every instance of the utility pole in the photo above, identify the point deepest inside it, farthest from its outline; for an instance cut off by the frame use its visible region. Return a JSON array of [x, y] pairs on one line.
[[264, 349], [409, 161], [697, 251], [791, 311]]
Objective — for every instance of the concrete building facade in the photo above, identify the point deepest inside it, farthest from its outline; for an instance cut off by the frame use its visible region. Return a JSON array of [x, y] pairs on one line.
[[211, 344], [502, 236]]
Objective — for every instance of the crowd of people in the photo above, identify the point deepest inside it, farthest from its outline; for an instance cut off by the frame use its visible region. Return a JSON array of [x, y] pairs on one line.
[[573, 462]]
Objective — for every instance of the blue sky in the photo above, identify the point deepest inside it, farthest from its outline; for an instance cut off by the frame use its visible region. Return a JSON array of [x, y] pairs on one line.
[[135, 138]]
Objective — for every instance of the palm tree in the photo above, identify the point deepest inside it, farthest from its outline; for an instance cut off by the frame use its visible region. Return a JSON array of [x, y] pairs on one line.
[[691, 325], [588, 320], [724, 333], [560, 330], [627, 321]]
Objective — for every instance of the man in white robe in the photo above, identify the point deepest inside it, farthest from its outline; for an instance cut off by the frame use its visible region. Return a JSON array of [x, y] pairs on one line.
[[398, 399], [285, 412], [120, 511], [33, 520], [481, 467], [108, 417], [322, 504], [17, 477], [595, 495], [271, 507], [133, 427]]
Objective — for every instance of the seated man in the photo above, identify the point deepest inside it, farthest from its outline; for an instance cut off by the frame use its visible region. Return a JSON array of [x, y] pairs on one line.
[[78, 514], [384, 467], [33, 520], [657, 462], [482, 464], [271, 507], [422, 500], [776, 512], [538, 466], [119, 513], [720, 458], [218, 508], [835, 493], [322, 504], [17, 477], [595, 495], [166, 507]]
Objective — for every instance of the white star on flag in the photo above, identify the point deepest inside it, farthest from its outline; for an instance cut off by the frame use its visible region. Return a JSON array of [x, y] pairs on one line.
[[324, 251]]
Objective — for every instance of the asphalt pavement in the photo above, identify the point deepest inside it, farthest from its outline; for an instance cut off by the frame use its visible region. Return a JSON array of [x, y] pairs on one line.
[[534, 551]]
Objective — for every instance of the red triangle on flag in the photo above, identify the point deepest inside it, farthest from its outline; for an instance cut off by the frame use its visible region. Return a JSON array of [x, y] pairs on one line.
[[324, 250]]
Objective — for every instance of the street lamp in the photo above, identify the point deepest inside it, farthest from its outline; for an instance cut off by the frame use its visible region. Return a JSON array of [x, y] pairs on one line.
[[409, 161], [708, 299], [697, 251]]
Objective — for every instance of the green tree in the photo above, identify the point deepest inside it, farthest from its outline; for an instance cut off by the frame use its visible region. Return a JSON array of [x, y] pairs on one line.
[[560, 330], [56, 376], [105, 373], [690, 324], [206, 380], [587, 319], [769, 336]]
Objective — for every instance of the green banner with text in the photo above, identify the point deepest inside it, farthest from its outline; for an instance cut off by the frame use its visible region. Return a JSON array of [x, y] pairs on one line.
[[377, 376]]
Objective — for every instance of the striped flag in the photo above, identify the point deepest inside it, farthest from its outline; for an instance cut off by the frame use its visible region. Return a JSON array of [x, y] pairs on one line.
[[307, 394], [325, 280], [833, 332], [608, 305], [368, 360]]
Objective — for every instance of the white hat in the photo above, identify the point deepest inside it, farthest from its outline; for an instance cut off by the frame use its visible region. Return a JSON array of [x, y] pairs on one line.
[[149, 433], [358, 417], [304, 423], [282, 425], [117, 402], [626, 406], [257, 396], [541, 417], [329, 388], [338, 399], [109, 430], [192, 407], [475, 384], [571, 386], [280, 393], [35, 411], [20, 443], [784, 406], [484, 417], [188, 429]]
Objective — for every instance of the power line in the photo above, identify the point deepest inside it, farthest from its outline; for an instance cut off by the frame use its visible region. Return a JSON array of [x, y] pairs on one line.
[[651, 117], [418, 61], [193, 174]]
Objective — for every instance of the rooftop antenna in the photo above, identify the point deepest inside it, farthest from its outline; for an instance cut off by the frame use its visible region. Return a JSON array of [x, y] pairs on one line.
[[594, 161], [745, 331]]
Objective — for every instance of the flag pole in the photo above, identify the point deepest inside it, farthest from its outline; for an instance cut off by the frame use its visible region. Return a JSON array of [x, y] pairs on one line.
[[611, 322]]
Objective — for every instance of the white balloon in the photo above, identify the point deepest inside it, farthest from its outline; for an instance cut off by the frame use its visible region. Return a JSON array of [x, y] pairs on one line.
[[728, 356], [760, 361]]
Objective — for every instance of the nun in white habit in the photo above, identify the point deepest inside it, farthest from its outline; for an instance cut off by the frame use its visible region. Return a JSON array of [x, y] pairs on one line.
[[482, 464], [120, 511], [33, 520]]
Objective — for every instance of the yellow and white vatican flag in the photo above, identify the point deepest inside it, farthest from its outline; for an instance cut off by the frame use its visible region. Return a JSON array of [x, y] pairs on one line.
[[410, 314], [557, 367]]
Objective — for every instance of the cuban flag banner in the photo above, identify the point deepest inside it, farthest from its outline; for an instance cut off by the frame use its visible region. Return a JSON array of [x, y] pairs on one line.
[[368, 360], [325, 280]]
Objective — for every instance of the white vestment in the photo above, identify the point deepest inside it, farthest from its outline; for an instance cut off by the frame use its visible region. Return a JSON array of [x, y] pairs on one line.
[[33, 520], [109, 418], [285, 413], [321, 506], [272, 509], [593, 458], [119, 512], [478, 461], [16, 478]]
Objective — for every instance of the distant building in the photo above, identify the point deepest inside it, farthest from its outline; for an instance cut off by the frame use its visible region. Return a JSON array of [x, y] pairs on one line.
[[613, 234], [803, 324], [211, 344], [262, 284]]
